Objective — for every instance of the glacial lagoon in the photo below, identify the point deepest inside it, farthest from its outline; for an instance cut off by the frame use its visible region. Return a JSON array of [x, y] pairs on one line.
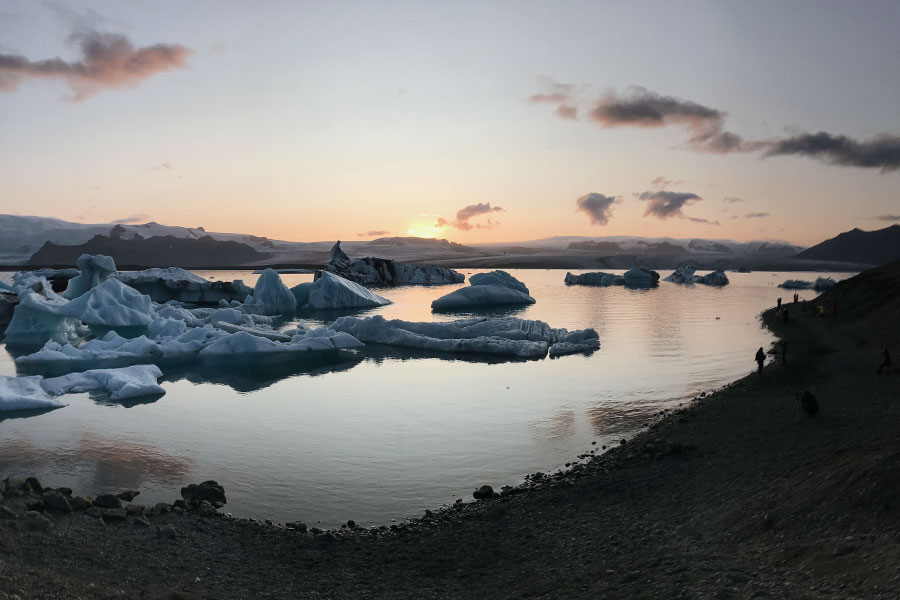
[[387, 433]]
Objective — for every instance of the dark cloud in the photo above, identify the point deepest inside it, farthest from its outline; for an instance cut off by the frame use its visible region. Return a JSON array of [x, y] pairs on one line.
[[732, 199], [890, 218], [756, 215], [597, 207], [373, 233], [665, 204], [880, 152], [473, 210], [108, 61], [699, 220], [139, 218], [639, 107]]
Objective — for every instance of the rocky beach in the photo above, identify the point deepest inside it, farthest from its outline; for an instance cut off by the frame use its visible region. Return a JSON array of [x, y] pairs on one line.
[[739, 494]]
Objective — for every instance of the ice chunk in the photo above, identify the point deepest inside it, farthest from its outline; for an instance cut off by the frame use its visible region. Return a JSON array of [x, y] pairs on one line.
[[243, 343], [331, 292], [25, 393], [796, 284], [5, 287], [505, 336], [94, 270], [683, 274], [382, 272], [162, 327], [271, 296], [597, 278], [120, 384], [173, 283], [717, 278], [641, 277], [481, 296], [823, 283], [270, 334], [40, 315], [111, 304], [498, 278]]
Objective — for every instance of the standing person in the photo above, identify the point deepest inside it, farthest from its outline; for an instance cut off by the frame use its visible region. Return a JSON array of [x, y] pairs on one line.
[[886, 363], [796, 297], [779, 303], [760, 359]]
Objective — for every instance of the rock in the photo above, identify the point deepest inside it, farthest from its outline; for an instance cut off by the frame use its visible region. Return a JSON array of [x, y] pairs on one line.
[[179, 504], [94, 512], [67, 492], [35, 504], [297, 526], [31, 484], [135, 509], [107, 501], [128, 495], [56, 501], [483, 493], [351, 524], [208, 490], [162, 508], [80, 503], [7, 513], [166, 533], [206, 509], [114, 514], [35, 521], [142, 522]]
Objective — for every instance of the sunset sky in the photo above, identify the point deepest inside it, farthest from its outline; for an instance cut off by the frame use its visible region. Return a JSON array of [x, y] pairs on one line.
[[472, 121]]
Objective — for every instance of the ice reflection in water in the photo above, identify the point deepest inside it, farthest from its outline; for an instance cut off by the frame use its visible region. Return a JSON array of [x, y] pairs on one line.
[[391, 432]]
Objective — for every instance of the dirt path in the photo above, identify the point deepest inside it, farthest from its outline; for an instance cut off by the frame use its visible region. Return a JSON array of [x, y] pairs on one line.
[[741, 495]]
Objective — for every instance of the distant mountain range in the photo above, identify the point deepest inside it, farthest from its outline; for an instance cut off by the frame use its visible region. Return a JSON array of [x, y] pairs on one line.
[[42, 241], [870, 247]]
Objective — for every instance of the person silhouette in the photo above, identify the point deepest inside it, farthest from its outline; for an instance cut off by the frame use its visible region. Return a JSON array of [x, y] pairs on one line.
[[760, 359]]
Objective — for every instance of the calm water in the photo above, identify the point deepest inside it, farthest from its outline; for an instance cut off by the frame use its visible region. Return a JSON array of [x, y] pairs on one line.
[[385, 435]]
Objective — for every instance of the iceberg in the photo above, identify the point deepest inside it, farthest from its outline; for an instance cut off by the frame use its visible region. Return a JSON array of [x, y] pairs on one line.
[[331, 292], [486, 290], [641, 277], [94, 270], [174, 283], [40, 315], [820, 284], [685, 275], [242, 344], [120, 384], [382, 272], [504, 335], [796, 284], [597, 278], [111, 304], [271, 296], [823, 283], [25, 393]]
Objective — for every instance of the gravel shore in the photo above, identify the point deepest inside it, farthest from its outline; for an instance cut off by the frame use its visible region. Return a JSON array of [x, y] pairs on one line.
[[739, 495]]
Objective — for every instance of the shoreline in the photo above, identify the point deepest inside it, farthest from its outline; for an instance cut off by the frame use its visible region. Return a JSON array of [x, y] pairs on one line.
[[738, 494]]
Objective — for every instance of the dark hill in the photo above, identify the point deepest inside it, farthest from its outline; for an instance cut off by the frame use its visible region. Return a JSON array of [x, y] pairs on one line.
[[159, 251], [870, 301], [869, 247]]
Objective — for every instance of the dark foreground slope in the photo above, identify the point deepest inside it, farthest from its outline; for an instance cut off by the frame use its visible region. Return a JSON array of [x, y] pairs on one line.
[[869, 247], [739, 495]]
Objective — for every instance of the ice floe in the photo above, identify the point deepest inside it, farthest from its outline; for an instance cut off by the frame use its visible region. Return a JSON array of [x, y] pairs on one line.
[[331, 292], [597, 278], [382, 272], [271, 296], [486, 290], [504, 335], [174, 283], [820, 284], [641, 277], [93, 270], [685, 275]]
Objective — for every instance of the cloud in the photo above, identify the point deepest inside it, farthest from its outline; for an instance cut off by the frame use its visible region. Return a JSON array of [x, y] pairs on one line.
[[555, 92], [473, 210], [597, 207], [108, 61], [661, 182], [756, 215], [139, 218], [163, 165], [567, 111], [665, 204], [373, 233], [890, 218], [880, 152], [639, 107], [732, 199]]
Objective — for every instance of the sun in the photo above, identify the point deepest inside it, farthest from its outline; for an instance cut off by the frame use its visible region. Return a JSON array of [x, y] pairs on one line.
[[423, 231]]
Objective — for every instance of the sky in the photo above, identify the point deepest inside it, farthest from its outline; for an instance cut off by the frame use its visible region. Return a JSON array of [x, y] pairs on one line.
[[472, 121]]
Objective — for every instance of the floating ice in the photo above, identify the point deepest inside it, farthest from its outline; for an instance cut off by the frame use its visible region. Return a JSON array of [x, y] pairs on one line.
[[40, 315], [597, 278], [331, 292], [243, 343], [506, 335], [497, 288], [823, 283], [385, 272], [716, 278], [685, 274], [641, 277], [94, 270], [120, 384], [25, 393], [796, 284], [271, 296], [5, 287], [111, 304], [174, 283]]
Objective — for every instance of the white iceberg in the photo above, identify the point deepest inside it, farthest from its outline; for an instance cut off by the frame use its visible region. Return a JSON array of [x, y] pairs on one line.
[[331, 292], [40, 315], [120, 384], [242, 344], [486, 290], [25, 393], [174, 283], [716, 278], [94, 270], [271, 296], [505, 336], [111, 304], [685, 275], [597, 278]]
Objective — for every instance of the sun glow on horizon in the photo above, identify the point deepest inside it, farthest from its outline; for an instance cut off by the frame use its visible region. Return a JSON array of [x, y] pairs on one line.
[[423, 231]]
